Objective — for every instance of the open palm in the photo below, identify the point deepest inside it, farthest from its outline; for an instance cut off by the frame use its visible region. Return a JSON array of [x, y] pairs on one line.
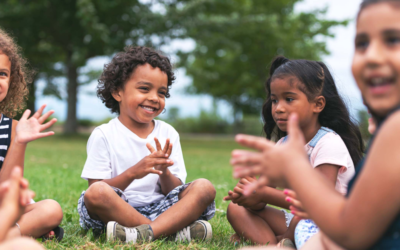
[[30, 129]]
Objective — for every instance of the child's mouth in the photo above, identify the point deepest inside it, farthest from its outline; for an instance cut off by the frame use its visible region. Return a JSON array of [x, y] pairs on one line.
[[380, 85], [148, 108]]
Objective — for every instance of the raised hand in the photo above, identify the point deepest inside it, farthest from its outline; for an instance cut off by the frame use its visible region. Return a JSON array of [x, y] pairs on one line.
[[295, 207], [271, 162], [162, 152], [30, 129]]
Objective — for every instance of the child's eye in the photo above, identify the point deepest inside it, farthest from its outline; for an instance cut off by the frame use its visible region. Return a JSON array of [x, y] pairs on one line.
[[144, 88], [163, 93], [392, 40], [274, 101], [361, 45], [289, 99], [3, 74]]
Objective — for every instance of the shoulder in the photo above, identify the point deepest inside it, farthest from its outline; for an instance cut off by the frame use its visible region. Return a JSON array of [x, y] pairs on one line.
[[389, 130], [331, 145]]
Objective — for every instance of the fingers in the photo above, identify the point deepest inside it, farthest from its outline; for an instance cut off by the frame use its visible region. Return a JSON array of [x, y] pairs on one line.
[[166, 146], [169, 151], [154, 171], [255, 142], [152, 150], [295, 203], [238, 190], [48, 124], [246, 158], [290, 193], [163, 162], [294, 131], [299, 213], [44, 117], [39, 112], [250, 188], [158, 145], [25, 115], [227, 198], [241, 172], [42, 135]]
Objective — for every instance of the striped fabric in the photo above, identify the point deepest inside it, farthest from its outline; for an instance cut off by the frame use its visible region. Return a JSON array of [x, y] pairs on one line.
[[5, 137]]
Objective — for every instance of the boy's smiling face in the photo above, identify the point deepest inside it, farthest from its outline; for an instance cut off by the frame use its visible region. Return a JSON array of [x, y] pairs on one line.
[[143, 96], [5, 73]]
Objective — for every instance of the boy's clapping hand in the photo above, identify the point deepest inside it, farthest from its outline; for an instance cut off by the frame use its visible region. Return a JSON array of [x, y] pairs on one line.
[[165, 152], [155, 163], [30, 129]]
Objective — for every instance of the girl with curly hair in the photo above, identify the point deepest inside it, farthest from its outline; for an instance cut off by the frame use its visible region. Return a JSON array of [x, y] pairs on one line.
[[39, 219]]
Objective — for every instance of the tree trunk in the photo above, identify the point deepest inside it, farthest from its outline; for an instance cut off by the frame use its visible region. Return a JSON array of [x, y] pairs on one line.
[[71, 124], [30, 103]]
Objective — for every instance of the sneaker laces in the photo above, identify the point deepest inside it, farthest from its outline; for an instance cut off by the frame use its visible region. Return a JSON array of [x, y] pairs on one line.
[[183, 234], [131, 234]]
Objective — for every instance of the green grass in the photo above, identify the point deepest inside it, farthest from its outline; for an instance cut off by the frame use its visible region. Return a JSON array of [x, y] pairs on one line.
[[54, 165]]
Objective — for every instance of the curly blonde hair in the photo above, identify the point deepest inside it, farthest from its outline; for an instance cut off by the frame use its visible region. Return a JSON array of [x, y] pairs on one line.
[[19, 77]]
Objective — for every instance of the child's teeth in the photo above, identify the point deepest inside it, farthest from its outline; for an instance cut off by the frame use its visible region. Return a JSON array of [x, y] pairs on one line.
[[377, 81]]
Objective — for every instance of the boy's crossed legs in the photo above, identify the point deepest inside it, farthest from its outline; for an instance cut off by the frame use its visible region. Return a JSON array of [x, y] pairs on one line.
[[104, 204]]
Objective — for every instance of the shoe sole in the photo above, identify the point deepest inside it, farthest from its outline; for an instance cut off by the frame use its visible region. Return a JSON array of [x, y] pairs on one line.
[[111, 230], [208, 228]]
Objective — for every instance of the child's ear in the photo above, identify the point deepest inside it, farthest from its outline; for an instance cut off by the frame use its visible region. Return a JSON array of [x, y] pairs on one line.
[[117, 96], [320, 103]]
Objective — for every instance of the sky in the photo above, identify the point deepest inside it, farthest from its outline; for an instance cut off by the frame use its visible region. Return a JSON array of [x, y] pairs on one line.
[[339, 62]]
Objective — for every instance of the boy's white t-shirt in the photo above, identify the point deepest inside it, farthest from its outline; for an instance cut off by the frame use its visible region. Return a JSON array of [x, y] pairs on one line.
[[112, 149], [330, 149]]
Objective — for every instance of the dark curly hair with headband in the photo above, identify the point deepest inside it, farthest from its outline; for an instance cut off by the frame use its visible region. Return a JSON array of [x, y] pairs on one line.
[[315, 80], [19, 77], [121, 67]]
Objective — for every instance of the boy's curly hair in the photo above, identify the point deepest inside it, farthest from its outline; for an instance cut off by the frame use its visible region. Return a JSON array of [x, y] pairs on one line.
[[19, 77], [121, 67]]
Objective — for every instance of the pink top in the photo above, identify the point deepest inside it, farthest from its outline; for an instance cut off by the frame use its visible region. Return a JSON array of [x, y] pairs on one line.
[[330, 149]]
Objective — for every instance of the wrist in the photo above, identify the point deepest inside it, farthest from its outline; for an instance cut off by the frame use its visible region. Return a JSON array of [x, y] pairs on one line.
[[18, 142], [165, 173]]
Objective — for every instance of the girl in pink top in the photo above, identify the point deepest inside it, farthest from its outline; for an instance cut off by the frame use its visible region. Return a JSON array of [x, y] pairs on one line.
[[334, 147]]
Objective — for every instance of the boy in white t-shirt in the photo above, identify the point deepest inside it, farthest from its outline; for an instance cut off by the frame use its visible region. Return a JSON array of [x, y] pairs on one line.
[[136, 185]]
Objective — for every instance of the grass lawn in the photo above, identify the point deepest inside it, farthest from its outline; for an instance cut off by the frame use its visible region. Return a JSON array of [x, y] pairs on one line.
[[54, 165]]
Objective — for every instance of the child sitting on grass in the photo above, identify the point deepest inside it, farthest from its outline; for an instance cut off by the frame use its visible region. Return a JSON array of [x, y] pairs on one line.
[[334, 145], [137, 186], [14, 198], [369, 216], [41, 218]]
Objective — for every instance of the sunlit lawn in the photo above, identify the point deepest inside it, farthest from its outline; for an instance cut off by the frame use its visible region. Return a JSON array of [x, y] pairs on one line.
[[53, 167]]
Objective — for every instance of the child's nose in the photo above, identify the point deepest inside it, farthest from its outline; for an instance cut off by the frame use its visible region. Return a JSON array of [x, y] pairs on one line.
[[374, 54], [280, 108]]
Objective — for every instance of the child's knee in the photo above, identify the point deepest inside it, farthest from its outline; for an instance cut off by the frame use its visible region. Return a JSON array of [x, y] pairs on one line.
[[21, 243], [232, 211], [206, 188], [53, 212], [97, 193]]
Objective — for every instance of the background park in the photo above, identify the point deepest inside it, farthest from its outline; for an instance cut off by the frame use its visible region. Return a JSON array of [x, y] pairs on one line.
[[221, 50]]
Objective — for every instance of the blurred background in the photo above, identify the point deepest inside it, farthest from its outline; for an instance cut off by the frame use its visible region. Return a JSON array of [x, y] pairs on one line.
[[221, 50]]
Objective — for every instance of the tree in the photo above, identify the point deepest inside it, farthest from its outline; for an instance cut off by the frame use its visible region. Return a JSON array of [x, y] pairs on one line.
[[58, 37], [237, 39]]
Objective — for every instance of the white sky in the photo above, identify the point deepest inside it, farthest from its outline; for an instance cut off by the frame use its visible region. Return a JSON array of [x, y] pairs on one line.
[[339, 62]]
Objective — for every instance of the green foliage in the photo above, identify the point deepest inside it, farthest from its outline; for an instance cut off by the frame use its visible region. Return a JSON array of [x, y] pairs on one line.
[[206, 122], [237, 39], [58, 37], [363, 117]]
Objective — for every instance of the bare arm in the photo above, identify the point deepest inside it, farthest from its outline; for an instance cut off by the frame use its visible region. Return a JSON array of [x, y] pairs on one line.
[[168, 181], [22, 132], [373, 202]]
